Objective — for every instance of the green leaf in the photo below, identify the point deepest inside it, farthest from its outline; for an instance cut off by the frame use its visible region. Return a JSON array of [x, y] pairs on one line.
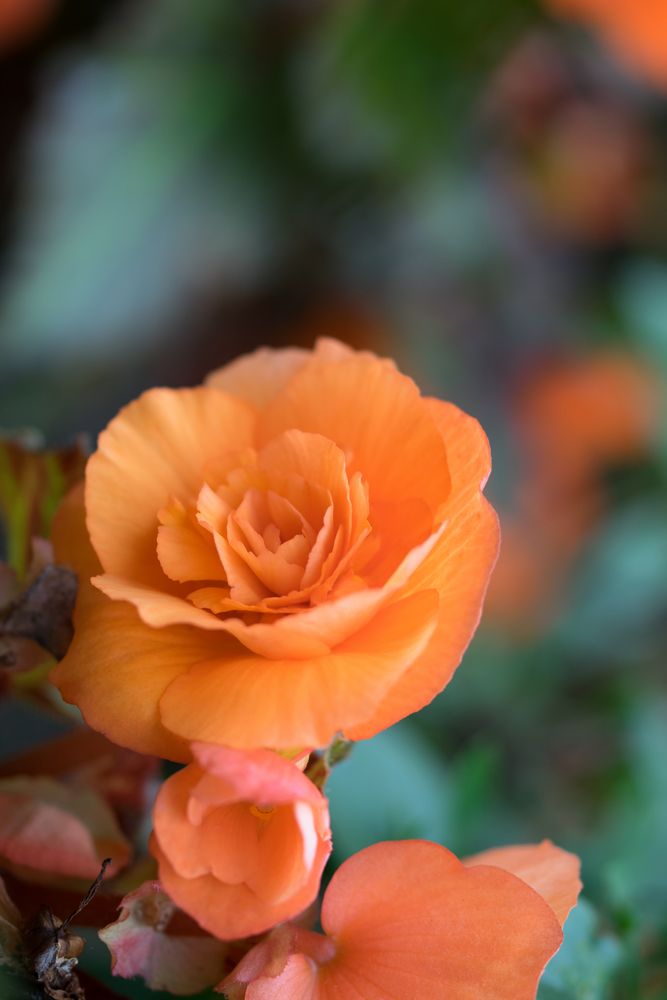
[[587, 962], [391, 787]]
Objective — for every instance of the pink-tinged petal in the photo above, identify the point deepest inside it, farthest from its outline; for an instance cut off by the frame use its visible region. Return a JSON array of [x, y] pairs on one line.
[[267, 958], [154, 451], [248, 701], [549, 870], [57, 829], [258, 377], [298, 981], [140, 946], [83, 757], [254, 776]]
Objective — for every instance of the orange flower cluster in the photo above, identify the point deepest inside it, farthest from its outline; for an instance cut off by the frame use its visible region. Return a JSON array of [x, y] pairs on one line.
[[297, 550], [635, 29]]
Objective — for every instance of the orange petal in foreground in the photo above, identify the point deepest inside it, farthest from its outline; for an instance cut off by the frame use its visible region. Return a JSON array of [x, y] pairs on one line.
[[407, 919], [241, 839]]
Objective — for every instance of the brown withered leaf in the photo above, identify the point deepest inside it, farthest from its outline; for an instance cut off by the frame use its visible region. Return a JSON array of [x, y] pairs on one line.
[[39, 961], [51, 955], [322, 762], [51, 951], [41, 614]]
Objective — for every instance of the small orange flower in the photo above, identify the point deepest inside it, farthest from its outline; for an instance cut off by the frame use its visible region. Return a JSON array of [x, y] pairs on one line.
[[241, 838], [407, 919], [635, 29], [298, 548]]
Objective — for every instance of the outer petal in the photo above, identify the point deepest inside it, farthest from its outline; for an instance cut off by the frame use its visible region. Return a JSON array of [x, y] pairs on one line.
[[155, 449], [248, 701], [258, 377], [374, 414], [550, 871], [117, 668], [69, 536], [459, 568], [170, 816], [409, 920]]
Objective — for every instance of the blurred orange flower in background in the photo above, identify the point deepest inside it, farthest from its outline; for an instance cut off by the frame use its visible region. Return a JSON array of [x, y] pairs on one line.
[[21, 18], [407, 919], [635, 29], [298, 548], [574, 420], [241, 838]]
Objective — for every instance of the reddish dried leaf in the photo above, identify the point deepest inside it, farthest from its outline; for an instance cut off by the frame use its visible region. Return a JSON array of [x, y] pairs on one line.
[[140, 946], [51, 829]]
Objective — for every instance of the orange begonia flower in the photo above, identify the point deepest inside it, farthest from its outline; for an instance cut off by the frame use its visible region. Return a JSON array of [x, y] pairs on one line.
[[298, 548], [241, 838], [407, 919], [635, 29]]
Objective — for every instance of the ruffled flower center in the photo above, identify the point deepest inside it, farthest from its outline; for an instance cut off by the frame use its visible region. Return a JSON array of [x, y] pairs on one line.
[[258, 538]]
